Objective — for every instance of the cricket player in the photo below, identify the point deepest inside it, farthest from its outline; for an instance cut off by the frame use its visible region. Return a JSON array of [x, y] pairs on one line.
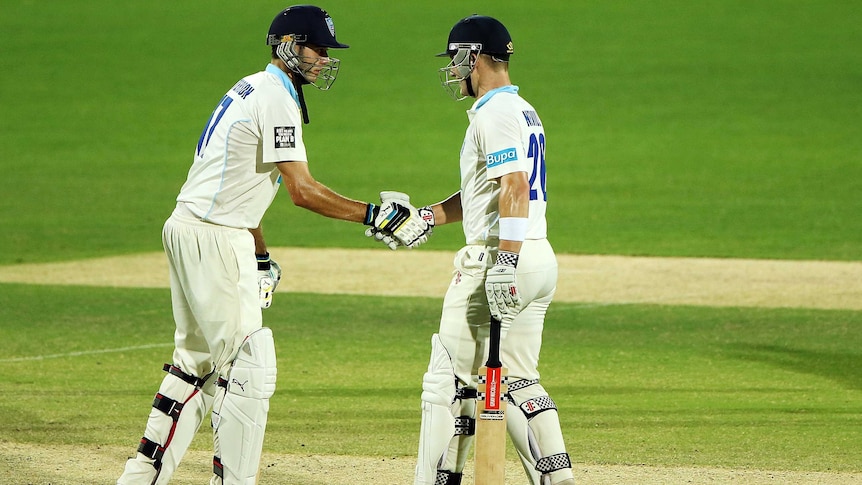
[[220, 270], [507, 268]]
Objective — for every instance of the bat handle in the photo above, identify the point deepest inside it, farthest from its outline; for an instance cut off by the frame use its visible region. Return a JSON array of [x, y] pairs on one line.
[[494, 345]]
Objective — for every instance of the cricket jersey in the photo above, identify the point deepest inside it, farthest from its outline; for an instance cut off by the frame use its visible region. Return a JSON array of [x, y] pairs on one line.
[[505, 135], [234, 177]]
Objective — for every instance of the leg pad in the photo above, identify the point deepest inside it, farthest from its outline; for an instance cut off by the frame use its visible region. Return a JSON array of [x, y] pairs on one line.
[[240, 413]]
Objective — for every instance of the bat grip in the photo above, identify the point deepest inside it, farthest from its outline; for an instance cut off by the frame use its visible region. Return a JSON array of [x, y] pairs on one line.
[[494, 345]]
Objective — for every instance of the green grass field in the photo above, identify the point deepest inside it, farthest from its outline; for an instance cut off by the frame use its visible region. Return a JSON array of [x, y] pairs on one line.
[[683, 386], [715, 128]]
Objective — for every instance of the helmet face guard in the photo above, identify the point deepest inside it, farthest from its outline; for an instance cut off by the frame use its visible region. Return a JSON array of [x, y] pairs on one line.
[[319, 72], [302, 26], [459, 68]]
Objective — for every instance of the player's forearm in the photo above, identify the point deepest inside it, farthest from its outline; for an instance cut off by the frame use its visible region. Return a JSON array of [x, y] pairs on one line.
[[259, 241], [514, 205], [322, 200], [308, 193], [448, 210]]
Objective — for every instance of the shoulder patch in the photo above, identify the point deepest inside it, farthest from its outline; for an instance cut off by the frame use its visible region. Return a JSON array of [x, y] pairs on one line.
[[501, 157], [285, 137]]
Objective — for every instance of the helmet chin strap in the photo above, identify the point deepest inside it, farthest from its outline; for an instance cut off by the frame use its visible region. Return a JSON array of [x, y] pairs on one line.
[[298, 81], [290, 58], [469, 80]]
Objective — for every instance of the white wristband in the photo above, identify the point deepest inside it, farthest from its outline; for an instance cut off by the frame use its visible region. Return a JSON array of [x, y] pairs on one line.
[[513, 228]]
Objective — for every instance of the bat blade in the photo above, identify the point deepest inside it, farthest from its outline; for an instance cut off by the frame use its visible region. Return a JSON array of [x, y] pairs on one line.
[[490, 452]]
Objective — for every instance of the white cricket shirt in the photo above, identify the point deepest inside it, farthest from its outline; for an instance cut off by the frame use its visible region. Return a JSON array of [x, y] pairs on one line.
[[505, 135], [234, 178]]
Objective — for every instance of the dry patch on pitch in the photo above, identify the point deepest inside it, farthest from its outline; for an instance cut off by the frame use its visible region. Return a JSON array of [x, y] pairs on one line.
[[74, 465], [583, 279]]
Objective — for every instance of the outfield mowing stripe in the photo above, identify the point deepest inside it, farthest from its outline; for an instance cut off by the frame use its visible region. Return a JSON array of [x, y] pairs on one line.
[[84, 352]]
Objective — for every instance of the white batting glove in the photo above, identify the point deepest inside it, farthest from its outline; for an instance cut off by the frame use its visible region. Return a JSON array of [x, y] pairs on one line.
[[424, 213], [381, 236], [501, 287], [398, 219], [393, 196], [268, 277], [389, 241]]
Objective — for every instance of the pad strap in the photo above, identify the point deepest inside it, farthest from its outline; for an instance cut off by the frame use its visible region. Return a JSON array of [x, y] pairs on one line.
[[218, 468], [466, 393], [553, 463], [168, 406], [152, 450], [533, 407], [445, 477], [187, 378], [521, 383], [465, 425]]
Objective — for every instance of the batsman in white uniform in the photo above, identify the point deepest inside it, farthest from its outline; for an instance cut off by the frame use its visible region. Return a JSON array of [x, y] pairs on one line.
[[220, 271], [507, 269]]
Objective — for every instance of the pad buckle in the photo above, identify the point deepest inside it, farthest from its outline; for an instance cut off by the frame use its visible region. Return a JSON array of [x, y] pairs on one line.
[[168, 406], [152, 450]]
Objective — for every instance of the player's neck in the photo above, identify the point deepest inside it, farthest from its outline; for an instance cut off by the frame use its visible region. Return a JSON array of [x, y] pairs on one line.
[[281, 65], [490, 82]]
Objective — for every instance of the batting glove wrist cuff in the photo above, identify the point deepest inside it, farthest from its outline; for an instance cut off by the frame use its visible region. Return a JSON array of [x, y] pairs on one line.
[[427, 215], [264, 263], [371, 211], [507, 258]]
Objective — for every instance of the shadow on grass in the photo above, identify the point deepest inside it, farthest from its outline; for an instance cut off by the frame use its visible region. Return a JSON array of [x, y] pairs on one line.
[[843, 368]]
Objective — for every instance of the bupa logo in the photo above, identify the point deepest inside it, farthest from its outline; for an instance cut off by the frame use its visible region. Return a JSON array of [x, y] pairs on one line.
[[498, 158], [285, 137]]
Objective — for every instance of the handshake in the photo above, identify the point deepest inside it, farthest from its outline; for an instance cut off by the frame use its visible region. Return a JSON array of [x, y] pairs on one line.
[[397, 223]]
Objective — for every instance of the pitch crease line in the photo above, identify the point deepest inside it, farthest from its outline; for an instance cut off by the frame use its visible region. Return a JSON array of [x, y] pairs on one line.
[[84, 352]]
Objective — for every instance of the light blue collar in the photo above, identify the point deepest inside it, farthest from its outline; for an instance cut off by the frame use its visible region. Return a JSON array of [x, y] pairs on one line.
[[288, 84], [487, 97]]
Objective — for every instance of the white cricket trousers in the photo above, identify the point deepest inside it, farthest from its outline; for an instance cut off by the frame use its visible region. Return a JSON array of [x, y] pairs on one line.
[[214, 291], [464, 323]]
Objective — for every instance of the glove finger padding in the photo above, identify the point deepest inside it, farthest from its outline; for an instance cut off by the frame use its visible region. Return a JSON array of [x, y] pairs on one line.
[[413, 233], [389, 241], [266, 286], [275, 274], [502, 291]]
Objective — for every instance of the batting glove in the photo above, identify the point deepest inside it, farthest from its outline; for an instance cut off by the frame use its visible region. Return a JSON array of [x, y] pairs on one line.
[[373, 232], [397, 222], [389, 241], [424, 213], [268, 277], [501, 287]]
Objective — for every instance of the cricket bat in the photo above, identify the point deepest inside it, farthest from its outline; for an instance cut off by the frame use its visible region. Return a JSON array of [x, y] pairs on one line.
[[490, 450]]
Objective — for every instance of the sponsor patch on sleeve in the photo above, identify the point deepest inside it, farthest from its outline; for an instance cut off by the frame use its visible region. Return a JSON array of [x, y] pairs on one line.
[[285, 137], [500, 157]]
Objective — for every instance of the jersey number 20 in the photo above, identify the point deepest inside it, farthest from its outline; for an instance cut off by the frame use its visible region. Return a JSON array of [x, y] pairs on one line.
[[538, 179]]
